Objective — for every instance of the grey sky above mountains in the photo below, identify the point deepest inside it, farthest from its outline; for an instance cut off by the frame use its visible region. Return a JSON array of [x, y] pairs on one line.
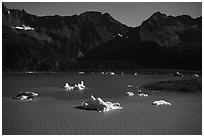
[[129, 13]]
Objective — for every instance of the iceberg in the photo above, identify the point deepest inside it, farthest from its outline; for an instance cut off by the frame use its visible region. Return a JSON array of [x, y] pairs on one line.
[[23, 28], [196, 75], [27, 96], [99, 105], [129, 85], [112, 73], [81, 72], [139, 90], [161, 102], [177, 74], [129, 93], [102, 73], [142, 95], [120, 35], [79, 86]]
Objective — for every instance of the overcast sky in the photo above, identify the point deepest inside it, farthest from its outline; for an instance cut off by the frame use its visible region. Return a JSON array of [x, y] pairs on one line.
[[129, 13]]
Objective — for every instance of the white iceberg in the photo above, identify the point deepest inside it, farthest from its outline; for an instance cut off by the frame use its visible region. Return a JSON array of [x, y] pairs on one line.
[[139, 90], [79, 86], [177, 74], [102, 73], [161, 102], [135, 74], [129, 93], [196, 75], [99, 105], [81, 72], [120, 35], [27, 96], [129, 85], [23, 28], [112, 73], [142, 95]]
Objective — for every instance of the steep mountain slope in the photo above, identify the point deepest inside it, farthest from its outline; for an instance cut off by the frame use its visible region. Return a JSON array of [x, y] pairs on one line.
[[160, 42], [53, 42]]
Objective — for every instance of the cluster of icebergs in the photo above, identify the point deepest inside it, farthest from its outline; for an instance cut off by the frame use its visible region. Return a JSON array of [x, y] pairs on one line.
[[23, 27], [142, 95], [129, 93], [27, 96], [158, 103], [99, 105], [79, 86], [111, 73]]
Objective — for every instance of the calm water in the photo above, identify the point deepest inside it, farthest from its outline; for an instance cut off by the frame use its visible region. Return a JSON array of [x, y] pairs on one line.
[[53, 112]]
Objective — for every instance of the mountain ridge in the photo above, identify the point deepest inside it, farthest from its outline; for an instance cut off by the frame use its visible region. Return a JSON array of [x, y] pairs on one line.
[[61, 43]]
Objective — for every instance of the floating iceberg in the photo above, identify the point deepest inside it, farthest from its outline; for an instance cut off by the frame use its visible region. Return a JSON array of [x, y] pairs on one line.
[[139, 90], [27, 96], [112, 73], [79, 86], [102, 73], [177, 74], [196, 75], [81, 72], [99, 105], [30, 72], [129, 93], [23, 28], [129, 86], [120, 35], [161, 102], [135, 74], [142, 95]]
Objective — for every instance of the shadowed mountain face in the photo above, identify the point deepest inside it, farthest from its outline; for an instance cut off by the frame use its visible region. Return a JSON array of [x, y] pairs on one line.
[[53, 42], [60, 43], [160, 42]]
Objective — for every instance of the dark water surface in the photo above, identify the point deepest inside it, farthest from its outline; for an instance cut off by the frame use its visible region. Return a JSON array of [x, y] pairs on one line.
[[53, 112]]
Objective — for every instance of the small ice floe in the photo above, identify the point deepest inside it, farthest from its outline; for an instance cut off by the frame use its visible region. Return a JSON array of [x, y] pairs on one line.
[[23, 27], [99, 105], [139, 90], [81, 72], [112, 73], [30, 72], [161, 102], [80, 54], [177, 74], [142, 95], [120, 35], [102, 73], [79, 86], [129, 93], [27, 96], [129, 86], [195, 75]]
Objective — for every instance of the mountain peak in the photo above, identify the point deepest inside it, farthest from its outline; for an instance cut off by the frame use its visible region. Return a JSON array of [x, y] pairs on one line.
[[158, 15]]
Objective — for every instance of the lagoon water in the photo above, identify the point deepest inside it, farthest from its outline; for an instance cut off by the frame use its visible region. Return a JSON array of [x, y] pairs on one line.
[[54, 112]]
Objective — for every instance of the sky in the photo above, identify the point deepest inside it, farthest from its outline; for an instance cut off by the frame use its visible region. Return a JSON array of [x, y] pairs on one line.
[[129, 13]]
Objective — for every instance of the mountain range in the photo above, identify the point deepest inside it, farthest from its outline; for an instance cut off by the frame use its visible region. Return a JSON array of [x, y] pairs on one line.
[[96, 41]]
